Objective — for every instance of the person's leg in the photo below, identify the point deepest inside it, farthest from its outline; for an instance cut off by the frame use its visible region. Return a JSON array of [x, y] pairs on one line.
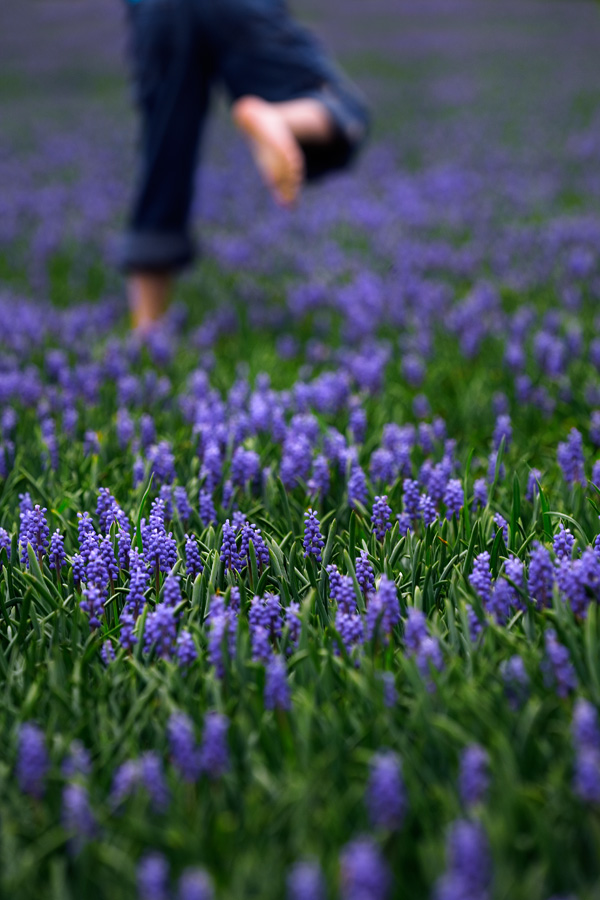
[[173, 71], [149, 295], [275, 133]]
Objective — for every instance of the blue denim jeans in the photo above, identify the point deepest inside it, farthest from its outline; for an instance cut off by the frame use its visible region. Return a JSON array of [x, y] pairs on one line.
[[180, 49]]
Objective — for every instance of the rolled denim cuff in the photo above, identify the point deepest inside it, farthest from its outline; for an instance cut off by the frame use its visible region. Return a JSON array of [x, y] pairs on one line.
[[154, 251], [351, 118], [349, 113]]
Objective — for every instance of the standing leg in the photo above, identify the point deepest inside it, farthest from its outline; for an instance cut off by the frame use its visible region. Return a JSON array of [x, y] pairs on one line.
[[172, 73]]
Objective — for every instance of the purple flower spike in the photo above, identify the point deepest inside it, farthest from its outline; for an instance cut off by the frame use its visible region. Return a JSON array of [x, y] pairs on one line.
[[481, 578], [357, 487], [305, 882], [415, 629], [277, 690], [229, 551], [557, 666], [195, 884], [32, 760], [516, 681], [364, 872], [214, 752], [386, 794], [313, 539], [364, 572], [570, 458], [160, 631], [153, 877], [186, 650], [193, 562], [77, 816], [184, 750], [381, 517], [474, 776], [541, 576], [93, 604], [469, 871], [57, 554]]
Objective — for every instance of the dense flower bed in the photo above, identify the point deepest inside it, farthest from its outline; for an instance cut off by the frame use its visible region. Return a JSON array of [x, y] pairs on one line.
[[300, 593]]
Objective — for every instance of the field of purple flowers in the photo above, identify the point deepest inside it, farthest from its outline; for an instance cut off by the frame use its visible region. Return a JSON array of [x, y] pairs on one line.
[[299, 596]]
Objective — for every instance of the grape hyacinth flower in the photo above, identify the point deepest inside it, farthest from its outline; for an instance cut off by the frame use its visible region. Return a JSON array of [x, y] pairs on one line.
[[364, 572], [335, 580], [411, 498], [381, 517], [570, 458], [586, 728], [124, 545], [107, 653], [502, 524], [261, 644], [454, 498], [502, 430], [563, 543], [56, 553], [350, 628], [277, 691], [415, 629], [532, 484], [152, 778], [186, 650], [222, 638], [93, 604], [357, 487], [474, 776], [305, 882], [541, 576], [5, 544], [428, 658], [195, 884], [293, 623], [171, 591], [313, 542], [557, 666], [252, 533], [208, 515], [386, 794], [153, 877], [480, 494], [427, 510], [166, 495], [32, 760], [214, 752], [77, 762], [193, 562], [318, 483], [77, 816], [516, 681], [182, 743], [469, 870], [383, 611], [160, 631], [390, 694], [182, 504], [480, 578], [229, 550], [364, 872], [586, 741]]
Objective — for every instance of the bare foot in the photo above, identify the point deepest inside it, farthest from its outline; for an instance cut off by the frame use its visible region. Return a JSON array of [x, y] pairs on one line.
[[274, 148]]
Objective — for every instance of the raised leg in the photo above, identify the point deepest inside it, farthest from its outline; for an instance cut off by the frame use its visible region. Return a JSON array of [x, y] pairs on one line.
[[275, 131]]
